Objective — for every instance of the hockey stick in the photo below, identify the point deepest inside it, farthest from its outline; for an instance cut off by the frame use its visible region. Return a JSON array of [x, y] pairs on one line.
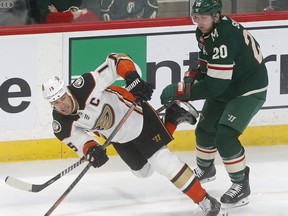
[[30, 187], [19, 184], [193, 110], [163, 107], [190, 107], [104, 146]]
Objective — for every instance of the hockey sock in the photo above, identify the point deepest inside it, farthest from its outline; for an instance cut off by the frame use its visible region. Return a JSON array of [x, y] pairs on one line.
[[186, 181], [170, 127]]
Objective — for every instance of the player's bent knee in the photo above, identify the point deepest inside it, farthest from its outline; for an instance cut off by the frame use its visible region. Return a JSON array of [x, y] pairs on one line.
[[227, 140], [165, 162], [204, 138], [144, 172]]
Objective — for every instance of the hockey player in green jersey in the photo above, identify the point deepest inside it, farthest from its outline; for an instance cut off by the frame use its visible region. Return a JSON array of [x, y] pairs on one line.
[[232, 77]]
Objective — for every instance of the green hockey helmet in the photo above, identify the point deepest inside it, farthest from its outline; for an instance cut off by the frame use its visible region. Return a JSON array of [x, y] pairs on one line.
[[207, 7]]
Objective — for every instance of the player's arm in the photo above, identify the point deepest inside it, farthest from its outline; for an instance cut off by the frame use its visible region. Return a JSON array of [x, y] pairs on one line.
[[218, 66], [79, 141], [94, 153], [86, 145], [216, 69], [126, 68]]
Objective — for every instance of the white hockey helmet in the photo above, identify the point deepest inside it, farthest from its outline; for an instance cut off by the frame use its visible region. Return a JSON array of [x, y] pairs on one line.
[[53, 89]]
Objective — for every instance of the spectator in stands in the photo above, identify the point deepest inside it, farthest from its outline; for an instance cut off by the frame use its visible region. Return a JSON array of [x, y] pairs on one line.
[[14, 12], [128, 9], [63, 11], [33, 12], [277, 5]]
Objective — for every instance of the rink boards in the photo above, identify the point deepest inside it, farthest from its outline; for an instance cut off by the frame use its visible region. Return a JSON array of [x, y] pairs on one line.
[[165, 50]]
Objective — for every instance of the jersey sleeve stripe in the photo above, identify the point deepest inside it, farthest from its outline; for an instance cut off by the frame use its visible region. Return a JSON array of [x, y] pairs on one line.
[[220, 71], [220, 67], [220, 74]]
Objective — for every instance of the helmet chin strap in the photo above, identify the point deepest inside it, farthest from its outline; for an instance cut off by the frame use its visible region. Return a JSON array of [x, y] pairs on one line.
[[74, 102]]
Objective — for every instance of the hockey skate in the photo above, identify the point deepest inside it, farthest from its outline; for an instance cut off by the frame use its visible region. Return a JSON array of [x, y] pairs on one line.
[[211, 207], [178, 115], [237, 194], [206, 175]]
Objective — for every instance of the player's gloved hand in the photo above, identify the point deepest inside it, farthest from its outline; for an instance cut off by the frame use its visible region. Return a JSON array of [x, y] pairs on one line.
[[190, 75], [95, 154], [180, 91], [138, 87]]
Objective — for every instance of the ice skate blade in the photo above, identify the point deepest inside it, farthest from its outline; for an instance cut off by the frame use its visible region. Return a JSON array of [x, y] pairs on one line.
[[242, 202], [206, 180]]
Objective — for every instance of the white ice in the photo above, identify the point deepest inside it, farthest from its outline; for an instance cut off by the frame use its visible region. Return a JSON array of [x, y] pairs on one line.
[[113, 190]]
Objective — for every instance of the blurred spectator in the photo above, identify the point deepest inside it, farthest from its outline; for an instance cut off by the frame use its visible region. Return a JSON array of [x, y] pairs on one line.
[[63, 11], [33, 12], [14, 12], [128, 9], [277, 5]]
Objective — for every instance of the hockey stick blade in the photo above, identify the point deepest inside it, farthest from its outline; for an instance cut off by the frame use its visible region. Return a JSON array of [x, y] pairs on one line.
[[16, 183], [21, 185]]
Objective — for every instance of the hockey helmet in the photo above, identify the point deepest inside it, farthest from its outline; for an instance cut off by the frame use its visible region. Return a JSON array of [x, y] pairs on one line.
[[53, 89], [207, 7]]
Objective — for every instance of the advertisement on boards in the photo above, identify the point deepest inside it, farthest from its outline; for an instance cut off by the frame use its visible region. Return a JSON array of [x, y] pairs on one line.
[[164, 57], [18, 86], [163, 54]]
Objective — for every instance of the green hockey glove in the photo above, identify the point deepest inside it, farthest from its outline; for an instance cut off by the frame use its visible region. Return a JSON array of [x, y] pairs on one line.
[[180, 91]]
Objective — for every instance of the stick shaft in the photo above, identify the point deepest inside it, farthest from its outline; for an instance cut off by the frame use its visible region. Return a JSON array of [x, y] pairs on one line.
[[69, 189], [26, 186]]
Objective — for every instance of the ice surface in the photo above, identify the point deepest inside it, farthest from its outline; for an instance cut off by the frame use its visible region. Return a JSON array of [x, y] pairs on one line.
[[114, 190]]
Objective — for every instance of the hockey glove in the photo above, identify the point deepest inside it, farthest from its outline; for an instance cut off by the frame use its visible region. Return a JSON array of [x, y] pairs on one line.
[[180, 91], [95, 154], [190, 76], [138, 87]]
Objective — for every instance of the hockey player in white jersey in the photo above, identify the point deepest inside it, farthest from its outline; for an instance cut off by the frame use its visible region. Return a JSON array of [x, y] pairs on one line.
[[91, 104]]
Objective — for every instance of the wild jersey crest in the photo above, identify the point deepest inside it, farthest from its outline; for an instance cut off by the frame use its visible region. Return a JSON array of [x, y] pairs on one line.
[[106, 118], [214, 34]]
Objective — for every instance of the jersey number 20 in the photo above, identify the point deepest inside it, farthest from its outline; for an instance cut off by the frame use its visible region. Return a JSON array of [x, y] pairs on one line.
[[256, 50]]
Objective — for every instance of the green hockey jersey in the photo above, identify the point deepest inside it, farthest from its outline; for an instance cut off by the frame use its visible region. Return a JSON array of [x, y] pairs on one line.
[[230, 61], [128, 9]]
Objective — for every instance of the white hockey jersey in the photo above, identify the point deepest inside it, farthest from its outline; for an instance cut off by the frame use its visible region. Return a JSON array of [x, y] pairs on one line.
[[101, 107]]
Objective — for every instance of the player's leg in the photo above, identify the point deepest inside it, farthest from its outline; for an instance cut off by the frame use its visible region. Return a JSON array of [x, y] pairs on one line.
[[134, 159], [181, 175], [233, 122], [152, 144], [205, 140], [233, 156]]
